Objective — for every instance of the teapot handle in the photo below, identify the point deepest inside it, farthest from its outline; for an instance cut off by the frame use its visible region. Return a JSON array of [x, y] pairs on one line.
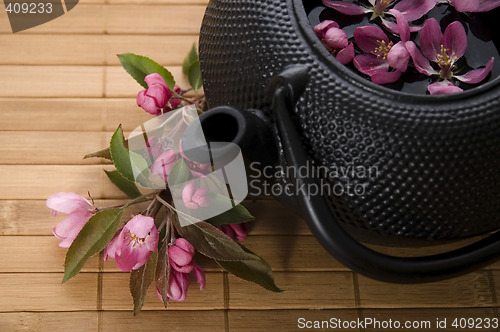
[[287, 88]]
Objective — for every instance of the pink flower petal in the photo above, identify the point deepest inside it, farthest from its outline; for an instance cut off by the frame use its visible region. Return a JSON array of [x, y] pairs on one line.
[[188, 192], [152, 239], [200, 276], [466, 5], [323, 26], [159, 94], [147, 103], [415, 9], [346, 8], [200, 197], [140, 225], [129, 257], [419, 61], [398, 57], [178, 286], [67, 202], [431, 39], [346, 55], [164, 163], [455, 40], [386, 77], [367, 38], [185, 245], [179, 256], [155, 78], [487, 5], [477, 75], [402, 25], [336, 38], [370, 65], [71, 225], [110, 250], [444, 87]]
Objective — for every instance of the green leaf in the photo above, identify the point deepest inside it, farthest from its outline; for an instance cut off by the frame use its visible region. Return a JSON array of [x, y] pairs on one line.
[[122, 158], [104, 153], [190, 58], [163, 272], [93, 238], [257, 271], [128, 187], [139, 67], [140, 280], [194, 75], [179, 173], [212, 242], [236, 215]]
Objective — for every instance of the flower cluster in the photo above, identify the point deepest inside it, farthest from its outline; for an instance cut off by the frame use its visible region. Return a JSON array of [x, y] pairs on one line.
[[385, 55], [153, 245]]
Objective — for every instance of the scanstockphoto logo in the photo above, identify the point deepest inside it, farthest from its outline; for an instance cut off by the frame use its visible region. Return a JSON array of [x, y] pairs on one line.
[[204, 178], [26, 14]]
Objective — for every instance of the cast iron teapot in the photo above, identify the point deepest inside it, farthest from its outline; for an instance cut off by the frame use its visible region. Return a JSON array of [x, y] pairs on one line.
[[437, 156]]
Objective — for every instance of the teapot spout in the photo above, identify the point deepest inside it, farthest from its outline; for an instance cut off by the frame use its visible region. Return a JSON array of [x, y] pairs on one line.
[[246, 129]]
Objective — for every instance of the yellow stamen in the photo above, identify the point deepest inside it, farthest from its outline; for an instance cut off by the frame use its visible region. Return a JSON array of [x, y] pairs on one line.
[[444, 60], [383, 49], [134, 239]]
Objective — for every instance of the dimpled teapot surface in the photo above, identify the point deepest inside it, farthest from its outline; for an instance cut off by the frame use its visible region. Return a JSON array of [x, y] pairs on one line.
[[423, 167]]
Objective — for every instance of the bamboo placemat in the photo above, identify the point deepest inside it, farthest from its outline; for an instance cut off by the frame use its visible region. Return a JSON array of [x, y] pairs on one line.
[[62, 95]]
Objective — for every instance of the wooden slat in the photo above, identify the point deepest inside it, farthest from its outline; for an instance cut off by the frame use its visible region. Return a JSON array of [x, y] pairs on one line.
[[302, 290], [157, 2], [18, 49], [116, 294], [120, 84], [84, 18], [39, 182], [167, 50], [51, 81], [285, 320], [495, 279], [36, 254], [471, 290], [45, 114], [425, 317], [32, 217], [44, 292], [170, 320], [75, 114], [155, 19], [82, 321], [59, 148]]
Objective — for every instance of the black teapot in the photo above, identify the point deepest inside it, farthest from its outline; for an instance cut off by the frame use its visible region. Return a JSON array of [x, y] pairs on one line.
[[436, 157]]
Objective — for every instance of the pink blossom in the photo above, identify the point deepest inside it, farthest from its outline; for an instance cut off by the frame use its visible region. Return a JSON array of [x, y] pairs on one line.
[[164, 163], [132, 246], [381, 53], [181, 256], [181, 263], [335, 41], [444, 50], [79, 211], [235, 231], [155, 99], [411, 9], [194, 197], [474, 5]]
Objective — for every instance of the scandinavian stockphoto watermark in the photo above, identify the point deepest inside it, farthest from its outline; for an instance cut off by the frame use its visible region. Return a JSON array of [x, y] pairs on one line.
[[328, 180], [26, 14]]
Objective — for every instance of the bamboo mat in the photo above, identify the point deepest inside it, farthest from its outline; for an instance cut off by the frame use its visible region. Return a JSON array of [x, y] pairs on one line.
[[62, 94]]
